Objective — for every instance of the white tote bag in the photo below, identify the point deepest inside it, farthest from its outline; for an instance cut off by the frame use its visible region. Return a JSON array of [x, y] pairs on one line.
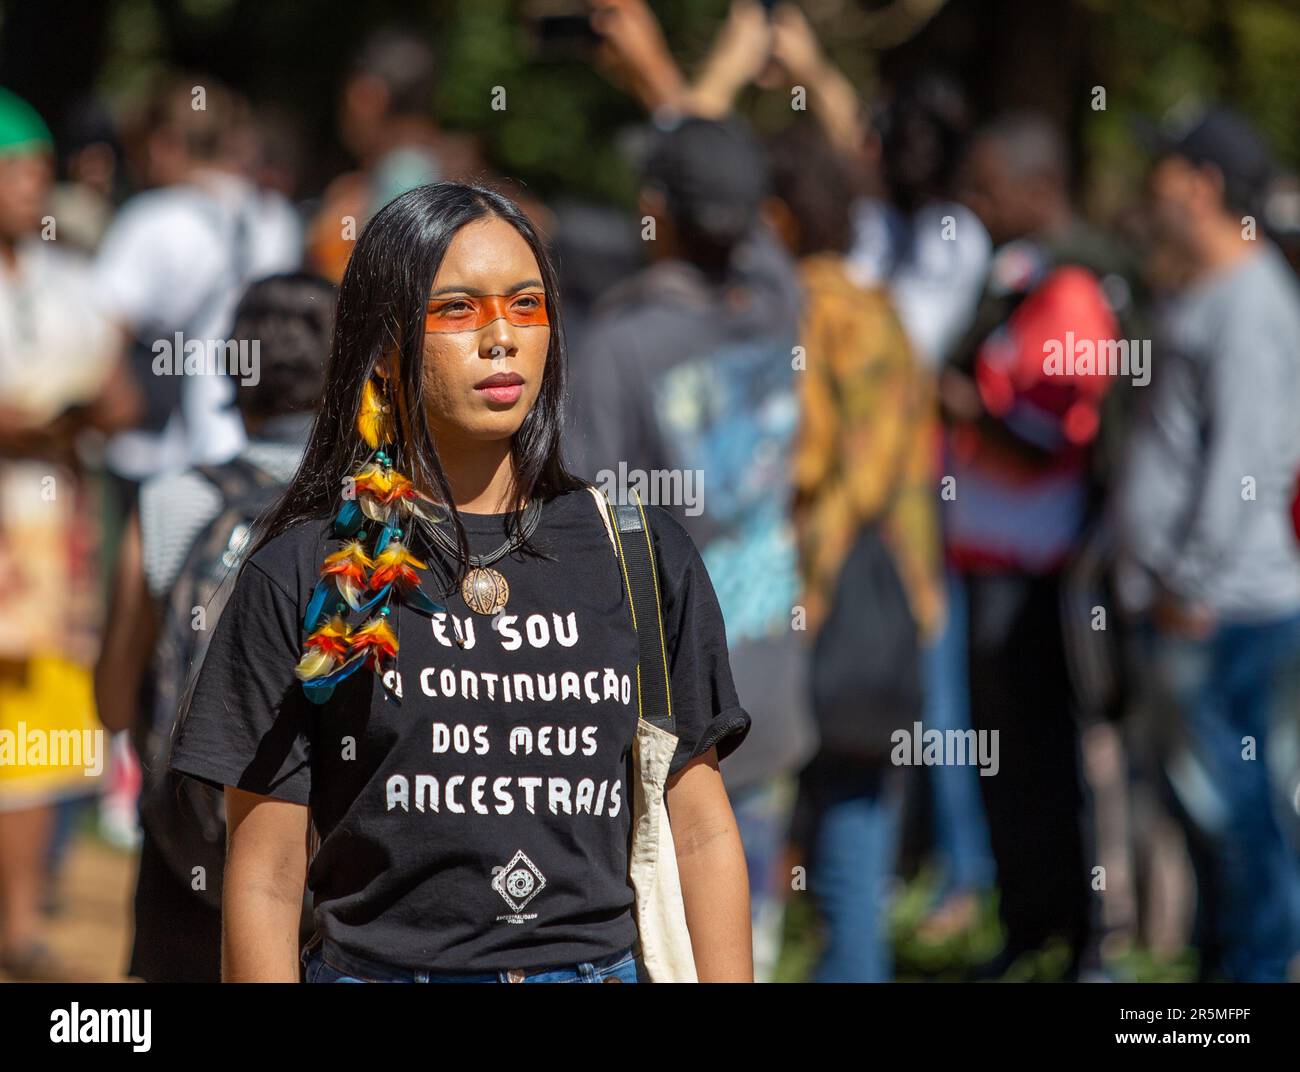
[[664, 940]]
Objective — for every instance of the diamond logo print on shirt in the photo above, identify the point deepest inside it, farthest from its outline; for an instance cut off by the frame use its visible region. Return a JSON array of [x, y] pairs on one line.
[[519, 881]]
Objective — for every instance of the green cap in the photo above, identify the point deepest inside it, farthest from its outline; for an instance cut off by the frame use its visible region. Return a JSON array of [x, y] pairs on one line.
[[22, 130]]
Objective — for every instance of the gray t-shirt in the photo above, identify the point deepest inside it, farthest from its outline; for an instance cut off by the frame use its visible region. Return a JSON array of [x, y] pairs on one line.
[[1205, 500]]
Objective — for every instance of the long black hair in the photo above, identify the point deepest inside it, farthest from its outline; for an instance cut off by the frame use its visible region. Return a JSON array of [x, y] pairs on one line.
[[381, 309]]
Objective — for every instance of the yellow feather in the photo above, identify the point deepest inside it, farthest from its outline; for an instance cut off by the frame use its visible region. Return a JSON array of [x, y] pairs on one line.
[[314, 664], [374, 422]]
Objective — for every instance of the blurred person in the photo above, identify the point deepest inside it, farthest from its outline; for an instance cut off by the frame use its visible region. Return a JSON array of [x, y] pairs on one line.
[[60, 375], [1212, 563], [686, 371], [931, 254], [179, 545], [276, 151], [910, 234], [386, 123], [930, 251], [85, 199], [865, 453], [173, 264], [81, 204], [1018, 459], [596, 246]]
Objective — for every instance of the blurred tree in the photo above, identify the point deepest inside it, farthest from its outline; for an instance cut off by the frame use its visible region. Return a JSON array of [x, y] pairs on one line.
[[1168, 56], [560, 128]]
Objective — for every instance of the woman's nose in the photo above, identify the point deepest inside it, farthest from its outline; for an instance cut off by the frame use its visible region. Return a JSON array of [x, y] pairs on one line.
[[498, 339]]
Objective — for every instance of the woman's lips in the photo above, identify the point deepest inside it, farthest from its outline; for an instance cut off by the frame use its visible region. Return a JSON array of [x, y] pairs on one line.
[[502, 387]]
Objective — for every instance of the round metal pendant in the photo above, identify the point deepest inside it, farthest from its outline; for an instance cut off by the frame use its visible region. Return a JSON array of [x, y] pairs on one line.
[[484, 590]]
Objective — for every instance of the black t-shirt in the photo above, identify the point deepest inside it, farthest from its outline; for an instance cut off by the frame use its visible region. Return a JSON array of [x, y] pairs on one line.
[[481, 821]]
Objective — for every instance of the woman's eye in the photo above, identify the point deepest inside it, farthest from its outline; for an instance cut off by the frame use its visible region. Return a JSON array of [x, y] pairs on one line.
[[454, 307], [527, 301]]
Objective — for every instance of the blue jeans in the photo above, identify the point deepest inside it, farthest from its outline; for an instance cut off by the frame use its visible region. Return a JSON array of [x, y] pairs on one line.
[[344, 968], [960, 829], [851, 866], [1226, 690]]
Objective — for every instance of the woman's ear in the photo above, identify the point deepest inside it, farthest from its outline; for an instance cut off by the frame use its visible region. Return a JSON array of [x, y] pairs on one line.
[[386, 369]]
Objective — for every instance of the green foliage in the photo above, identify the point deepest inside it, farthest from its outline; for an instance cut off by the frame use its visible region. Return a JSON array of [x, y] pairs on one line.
[[957, 958], [561, 128], [554, 131], [1167, 55]]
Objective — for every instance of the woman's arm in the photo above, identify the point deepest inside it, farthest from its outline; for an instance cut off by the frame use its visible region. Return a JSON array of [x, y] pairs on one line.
[[128, 639], [714, 878], [266, 870]]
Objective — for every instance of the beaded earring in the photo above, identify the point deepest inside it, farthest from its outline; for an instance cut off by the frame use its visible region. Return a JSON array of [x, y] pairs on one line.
[[371, 568]]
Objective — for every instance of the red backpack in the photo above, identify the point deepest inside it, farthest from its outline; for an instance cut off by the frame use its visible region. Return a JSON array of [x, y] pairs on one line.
[[1063, 318]]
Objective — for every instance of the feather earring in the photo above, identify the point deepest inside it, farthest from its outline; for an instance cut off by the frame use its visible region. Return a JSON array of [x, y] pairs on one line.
[[371, 569], [375, 419]]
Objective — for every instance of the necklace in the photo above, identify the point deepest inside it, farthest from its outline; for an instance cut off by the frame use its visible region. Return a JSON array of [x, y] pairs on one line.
[[484, 590]]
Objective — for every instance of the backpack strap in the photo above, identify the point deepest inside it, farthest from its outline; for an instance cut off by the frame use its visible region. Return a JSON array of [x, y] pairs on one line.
[[236, 479], [631, 537]]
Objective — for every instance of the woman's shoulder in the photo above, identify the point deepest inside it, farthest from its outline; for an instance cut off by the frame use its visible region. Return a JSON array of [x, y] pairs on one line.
[[675, 550], [672, 542], [674, 546], [291, 558]]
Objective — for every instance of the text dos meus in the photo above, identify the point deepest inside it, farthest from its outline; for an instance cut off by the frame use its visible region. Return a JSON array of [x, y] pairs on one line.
[[523, 740]]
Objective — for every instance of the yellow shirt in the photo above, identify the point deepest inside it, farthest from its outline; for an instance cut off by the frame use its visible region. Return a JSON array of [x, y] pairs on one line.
[[867, 442]]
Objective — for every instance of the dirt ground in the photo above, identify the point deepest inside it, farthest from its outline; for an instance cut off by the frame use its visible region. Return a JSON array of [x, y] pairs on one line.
[[91, 935]]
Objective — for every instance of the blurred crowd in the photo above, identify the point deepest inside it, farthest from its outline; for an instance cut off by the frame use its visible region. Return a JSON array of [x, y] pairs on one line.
[[999, 502]]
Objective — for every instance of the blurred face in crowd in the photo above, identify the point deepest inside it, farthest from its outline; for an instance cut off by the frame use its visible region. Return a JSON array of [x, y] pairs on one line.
[[652, 203], [1010, 206], [24, 184], [486, 335], [362, 110], [1182, 196], [167, 160]]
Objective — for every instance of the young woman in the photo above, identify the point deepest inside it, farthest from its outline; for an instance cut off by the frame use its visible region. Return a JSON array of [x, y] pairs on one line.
[[430, 652]]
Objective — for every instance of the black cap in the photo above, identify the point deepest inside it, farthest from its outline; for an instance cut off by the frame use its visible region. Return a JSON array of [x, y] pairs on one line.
[[1222, 137], [713, 176]]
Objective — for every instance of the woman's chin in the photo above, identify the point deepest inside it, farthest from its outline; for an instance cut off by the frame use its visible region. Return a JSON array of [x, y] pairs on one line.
[[493, 426]]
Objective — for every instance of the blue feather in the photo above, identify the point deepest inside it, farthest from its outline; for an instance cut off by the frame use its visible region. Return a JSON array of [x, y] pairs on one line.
[[370, 604], [418, 601], [320, 689], [318, 694], [385, 537], [349, 519], [316, 605]]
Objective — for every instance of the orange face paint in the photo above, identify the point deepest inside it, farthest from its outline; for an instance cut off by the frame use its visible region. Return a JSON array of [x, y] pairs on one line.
[[470, 313]]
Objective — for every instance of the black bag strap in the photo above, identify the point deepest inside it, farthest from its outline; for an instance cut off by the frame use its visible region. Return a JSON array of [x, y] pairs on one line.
[[634, 547]]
